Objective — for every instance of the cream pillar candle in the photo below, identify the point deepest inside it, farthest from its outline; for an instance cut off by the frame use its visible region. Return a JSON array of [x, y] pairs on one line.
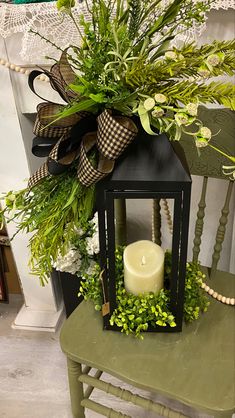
[[143, 267]]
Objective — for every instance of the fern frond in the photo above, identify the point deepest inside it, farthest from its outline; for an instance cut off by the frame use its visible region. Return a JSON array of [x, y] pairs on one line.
[[188, 65], [214, 92]]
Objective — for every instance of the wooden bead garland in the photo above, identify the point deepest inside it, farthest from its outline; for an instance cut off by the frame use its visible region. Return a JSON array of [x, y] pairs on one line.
[[21, 70], [216, 295], [211, 292]]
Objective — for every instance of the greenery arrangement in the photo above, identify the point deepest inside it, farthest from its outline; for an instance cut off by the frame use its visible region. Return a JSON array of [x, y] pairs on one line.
[[134, 314], [127, 62], [53, 212]]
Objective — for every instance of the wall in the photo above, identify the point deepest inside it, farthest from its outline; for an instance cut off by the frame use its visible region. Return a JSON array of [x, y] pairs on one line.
[[15, 168]]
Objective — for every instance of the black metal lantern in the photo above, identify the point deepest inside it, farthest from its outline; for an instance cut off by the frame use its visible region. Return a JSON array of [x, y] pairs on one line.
[[151, 168]]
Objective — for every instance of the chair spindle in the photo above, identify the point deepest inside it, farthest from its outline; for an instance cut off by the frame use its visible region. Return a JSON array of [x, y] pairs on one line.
[[156, 222], [221, 230], [128, 396], [200, 221]]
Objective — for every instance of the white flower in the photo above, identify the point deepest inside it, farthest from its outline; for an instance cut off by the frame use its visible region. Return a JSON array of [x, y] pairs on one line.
[[160, 98], [204, 72], [191, 108], [205, 132], [95, 221], [213, 60], [171, 55], [93, 246], [158, 112], [181, 119], [70, 262], [149, 103], [201, 142], [79, 231]]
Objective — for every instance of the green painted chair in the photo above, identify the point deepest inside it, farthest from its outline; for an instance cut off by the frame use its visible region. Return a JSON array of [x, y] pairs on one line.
[[195, 367]]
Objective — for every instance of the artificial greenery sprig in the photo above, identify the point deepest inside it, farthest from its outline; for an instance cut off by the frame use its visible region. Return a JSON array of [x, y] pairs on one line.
[[50, 212], [190, 61], [134, 314]]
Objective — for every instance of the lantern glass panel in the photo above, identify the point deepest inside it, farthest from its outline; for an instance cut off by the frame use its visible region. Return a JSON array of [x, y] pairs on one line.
[[141, 217], [144, 256]]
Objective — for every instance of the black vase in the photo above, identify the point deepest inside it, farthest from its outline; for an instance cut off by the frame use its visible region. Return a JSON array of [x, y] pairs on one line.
[[70, 284]]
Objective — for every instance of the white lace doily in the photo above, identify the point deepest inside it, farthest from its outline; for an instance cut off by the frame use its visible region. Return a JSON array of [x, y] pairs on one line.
[[45, 19]]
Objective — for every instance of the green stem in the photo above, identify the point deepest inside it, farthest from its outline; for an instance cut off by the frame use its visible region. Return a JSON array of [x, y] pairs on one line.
[[46, 40], [223, 153], [78, 29]]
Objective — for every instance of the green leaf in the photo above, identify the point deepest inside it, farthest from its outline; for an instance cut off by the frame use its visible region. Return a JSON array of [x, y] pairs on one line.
[[84, 104], [98, 98], [71, 197], [77, 88], [144, 119], [162, 49]]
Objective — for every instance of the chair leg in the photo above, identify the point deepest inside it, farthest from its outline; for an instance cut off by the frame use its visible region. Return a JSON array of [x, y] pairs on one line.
[[76, 388]]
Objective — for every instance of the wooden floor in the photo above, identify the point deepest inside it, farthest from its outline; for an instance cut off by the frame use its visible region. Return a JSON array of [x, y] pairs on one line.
[[33, 377]]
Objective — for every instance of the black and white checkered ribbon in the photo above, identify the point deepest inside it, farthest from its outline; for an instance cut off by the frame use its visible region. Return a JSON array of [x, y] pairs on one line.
[[87, 173], [44, 125], [59, 131], [43, 171], [60, 76], [114, 134]]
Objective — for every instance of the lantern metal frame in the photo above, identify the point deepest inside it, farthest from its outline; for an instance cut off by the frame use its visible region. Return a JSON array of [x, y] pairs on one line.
[[119, 187]]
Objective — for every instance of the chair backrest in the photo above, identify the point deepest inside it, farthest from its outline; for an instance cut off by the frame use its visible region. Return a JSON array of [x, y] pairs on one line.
[[221, 229], [209, 165]]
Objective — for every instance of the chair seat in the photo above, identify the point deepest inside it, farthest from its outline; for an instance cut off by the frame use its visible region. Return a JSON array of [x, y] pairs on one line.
[[195, 366]]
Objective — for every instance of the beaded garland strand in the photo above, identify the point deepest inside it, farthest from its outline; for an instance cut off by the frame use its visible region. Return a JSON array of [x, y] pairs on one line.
[[21, 70], [208, 289]]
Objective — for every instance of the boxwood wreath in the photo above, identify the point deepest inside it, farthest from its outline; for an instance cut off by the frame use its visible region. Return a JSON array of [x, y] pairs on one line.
[[134, 314]]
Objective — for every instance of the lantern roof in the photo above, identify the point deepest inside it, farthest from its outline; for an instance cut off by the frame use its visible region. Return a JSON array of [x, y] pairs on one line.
[[147, 162]]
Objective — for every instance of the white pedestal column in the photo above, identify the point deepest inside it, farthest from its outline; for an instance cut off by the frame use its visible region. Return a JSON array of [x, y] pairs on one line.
[[43, 306]]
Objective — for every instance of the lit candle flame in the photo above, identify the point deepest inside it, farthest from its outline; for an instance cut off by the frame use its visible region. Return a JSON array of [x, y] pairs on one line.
[[143, 261]]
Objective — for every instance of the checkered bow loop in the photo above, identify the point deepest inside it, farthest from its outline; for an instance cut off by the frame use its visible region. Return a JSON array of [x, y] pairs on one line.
[[61, 127], [59, 131], [114, 134], [38, 175], [61, 75], [88, 174], [43, 171]]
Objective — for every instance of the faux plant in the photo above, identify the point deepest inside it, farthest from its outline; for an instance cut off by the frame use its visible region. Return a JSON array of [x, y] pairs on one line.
[[134, 314], [81, 252], [127, 61], [53, 212]]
